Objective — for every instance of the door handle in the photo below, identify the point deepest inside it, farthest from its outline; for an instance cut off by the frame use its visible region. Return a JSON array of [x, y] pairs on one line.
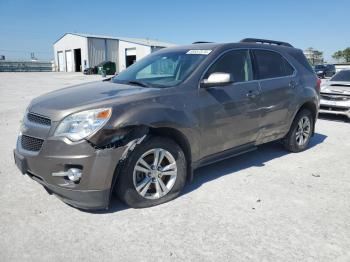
[[252, 94]]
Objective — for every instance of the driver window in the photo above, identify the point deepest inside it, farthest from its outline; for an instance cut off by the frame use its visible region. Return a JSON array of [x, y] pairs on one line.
[[237, 63]]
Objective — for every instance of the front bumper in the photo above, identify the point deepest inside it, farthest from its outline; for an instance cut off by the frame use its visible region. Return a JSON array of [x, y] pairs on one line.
[[335, 107], [59, 154]]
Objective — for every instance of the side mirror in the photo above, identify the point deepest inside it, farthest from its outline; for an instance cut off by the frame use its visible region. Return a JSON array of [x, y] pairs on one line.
[[217, 79]]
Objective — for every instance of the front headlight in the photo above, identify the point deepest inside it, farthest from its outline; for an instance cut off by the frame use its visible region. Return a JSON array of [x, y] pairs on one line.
[[83, 124]]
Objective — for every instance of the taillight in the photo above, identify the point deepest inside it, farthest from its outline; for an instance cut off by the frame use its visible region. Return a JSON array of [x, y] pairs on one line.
[[318, 85]]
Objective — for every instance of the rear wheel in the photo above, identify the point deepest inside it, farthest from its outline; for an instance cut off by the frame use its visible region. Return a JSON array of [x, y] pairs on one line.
[[300, 133], [154, 173]]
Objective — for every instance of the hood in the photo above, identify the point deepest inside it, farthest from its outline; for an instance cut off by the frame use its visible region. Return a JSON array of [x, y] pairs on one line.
[[336, 87], [60, 103]]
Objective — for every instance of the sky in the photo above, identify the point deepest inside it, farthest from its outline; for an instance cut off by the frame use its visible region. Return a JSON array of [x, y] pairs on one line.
[[33, 26]]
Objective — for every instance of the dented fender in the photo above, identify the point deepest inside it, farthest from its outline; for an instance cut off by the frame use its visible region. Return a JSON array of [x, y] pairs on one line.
[[133, 121]]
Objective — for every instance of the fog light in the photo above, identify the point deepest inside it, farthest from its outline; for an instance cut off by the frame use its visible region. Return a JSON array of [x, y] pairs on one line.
[[74, 174]]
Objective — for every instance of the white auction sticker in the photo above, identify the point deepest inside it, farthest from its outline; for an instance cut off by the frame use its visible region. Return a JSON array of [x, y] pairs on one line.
[[198, 52]]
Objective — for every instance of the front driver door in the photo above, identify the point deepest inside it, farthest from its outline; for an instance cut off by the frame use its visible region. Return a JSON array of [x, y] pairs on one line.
[[229, 114]]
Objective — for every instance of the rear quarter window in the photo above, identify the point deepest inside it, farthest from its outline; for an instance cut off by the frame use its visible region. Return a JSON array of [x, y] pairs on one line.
[[270, 64], [300, 57]]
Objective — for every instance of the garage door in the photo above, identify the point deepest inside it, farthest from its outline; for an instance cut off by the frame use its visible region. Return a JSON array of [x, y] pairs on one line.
[[60, 58], [69, 61]]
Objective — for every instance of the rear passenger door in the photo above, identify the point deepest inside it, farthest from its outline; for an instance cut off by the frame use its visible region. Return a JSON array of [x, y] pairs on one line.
[[278, 83]]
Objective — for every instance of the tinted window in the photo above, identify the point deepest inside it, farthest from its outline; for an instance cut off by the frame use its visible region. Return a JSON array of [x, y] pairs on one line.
[[236, 62], [271, 64], [343, 76], [300, 57]]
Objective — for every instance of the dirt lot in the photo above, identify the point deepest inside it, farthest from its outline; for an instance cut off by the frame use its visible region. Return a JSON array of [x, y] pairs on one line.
[[268, 205]]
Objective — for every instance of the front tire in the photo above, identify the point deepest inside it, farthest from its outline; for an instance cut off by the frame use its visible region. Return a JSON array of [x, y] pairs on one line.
[[300, 132], [154, 173]]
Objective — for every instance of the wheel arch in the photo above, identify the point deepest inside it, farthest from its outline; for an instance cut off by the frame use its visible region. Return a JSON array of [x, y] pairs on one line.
[[167, 132], [311, 106]]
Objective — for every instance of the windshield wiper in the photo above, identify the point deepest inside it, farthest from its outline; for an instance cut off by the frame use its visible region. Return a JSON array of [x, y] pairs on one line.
[[138, 83]]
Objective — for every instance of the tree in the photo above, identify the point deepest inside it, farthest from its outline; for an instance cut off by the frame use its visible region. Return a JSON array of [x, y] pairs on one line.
[[318, 54], [346, 54], [338, 55]]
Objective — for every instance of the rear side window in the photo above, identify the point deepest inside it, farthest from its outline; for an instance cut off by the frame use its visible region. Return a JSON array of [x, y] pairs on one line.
[[236, 62], [271, 64], [300, 57]]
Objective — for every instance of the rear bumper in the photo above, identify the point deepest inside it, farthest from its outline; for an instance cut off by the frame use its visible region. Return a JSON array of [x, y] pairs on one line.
[[97, 165]]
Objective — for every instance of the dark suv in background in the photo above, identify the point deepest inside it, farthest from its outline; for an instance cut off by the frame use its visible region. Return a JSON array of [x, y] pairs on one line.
[[142, 133], [324, 71]]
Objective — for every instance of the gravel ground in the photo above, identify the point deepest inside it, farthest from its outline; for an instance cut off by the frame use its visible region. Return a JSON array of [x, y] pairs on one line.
[[268, 205]]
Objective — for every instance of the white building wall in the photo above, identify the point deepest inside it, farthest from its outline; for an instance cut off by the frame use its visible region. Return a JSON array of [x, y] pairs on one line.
[[340, 67], [95, 50], [141, 51], [71, 42]]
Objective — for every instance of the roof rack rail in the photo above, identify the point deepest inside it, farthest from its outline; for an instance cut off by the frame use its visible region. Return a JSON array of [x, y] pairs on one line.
[[201, 42], [265, 41]]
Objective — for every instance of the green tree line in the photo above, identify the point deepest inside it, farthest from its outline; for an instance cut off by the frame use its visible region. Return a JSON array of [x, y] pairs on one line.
[[342, 55]]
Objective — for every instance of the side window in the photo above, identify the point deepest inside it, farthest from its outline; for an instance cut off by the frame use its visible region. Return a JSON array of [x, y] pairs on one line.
[[237, 63], [271, 64]]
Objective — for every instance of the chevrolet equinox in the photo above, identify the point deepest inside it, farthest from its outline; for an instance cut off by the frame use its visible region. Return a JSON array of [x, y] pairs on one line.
[[141, 133]]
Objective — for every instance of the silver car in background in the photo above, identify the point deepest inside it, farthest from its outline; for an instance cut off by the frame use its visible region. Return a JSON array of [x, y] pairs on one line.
[[335, 95]]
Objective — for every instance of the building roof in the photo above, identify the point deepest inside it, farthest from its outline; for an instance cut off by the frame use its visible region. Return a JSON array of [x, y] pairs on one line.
[[140, 41]]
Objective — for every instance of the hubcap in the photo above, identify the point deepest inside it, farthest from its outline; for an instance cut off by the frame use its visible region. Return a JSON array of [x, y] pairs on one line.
[[303, 131], [155, 173]]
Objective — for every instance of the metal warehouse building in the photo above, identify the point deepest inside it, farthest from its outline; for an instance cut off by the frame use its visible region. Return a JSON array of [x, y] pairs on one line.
[[75, 52]]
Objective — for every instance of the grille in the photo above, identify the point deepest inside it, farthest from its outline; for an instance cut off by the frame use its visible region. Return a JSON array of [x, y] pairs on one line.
[[38, 119], [31, 143], [335, 97], [332, 108]]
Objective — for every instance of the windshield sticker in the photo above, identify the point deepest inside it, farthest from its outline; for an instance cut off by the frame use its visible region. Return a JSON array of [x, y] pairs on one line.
[[198, 52]]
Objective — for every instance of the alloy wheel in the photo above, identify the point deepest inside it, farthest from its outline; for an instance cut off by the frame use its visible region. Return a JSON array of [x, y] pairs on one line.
[[155, 173], [303, 131]]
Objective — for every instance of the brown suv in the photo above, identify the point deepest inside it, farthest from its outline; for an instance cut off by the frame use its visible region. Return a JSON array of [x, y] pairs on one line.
[[142, 133]]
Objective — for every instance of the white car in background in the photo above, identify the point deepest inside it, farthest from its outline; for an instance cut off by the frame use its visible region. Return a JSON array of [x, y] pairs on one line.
[[335, 95]]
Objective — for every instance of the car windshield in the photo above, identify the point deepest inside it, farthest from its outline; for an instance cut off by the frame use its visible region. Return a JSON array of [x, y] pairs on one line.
[[342, 76], [319, 67], [165, 69]]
